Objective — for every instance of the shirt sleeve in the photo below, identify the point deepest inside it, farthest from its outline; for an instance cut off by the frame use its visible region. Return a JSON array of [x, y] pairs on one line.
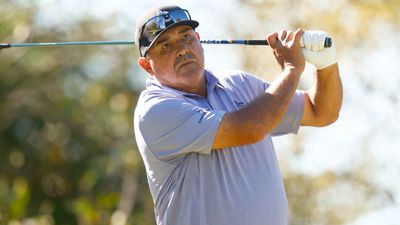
[[173, 126], [292, 120]]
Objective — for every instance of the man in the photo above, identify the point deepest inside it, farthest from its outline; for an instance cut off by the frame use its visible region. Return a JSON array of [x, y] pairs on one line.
[[205, 136]]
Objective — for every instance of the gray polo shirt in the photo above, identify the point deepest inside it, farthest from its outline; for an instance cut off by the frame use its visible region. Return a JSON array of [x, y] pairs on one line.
[[190, 183]]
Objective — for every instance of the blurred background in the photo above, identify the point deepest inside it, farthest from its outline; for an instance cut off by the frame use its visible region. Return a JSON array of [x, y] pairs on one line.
[[67, 148]]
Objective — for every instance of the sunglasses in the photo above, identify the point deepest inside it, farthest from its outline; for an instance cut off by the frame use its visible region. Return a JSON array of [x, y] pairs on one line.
[[158, 23]]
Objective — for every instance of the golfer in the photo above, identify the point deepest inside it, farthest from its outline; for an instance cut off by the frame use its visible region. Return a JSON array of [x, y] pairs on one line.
[[205, 136]]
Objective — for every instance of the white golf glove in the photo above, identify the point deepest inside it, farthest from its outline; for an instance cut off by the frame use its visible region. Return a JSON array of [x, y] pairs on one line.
[[312, 43]]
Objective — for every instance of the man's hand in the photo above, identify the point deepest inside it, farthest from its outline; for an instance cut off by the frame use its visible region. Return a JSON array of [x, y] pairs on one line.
[[286, 48], [312, 43]]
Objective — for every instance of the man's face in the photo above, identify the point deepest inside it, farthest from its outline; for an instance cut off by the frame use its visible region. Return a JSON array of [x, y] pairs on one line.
[[176, 59]]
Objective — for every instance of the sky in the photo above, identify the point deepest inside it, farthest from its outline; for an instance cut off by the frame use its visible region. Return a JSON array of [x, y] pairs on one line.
[[368, 128]]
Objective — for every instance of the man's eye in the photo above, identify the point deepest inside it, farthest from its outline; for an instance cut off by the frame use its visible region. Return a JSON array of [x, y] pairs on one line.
[[188, 38], [166, 46]]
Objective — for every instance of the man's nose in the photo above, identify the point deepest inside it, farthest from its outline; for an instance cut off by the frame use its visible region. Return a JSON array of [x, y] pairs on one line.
[[181, 49]]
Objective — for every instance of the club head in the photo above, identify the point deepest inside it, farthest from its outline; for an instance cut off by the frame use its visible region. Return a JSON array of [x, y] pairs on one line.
[[4, 45]]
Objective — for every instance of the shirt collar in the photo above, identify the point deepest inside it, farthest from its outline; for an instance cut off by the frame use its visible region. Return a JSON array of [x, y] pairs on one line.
[[211, 82]]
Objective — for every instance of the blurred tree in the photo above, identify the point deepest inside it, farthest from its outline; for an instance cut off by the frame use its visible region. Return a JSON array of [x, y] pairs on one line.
[[67, 150], [352, 24], [330, 198]]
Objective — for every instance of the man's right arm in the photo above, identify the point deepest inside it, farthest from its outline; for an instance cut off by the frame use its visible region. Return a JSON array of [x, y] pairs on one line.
[[253, 122]]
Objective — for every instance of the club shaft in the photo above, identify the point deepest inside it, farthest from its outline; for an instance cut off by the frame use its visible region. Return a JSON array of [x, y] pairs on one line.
[[51, 44], [328, 43]]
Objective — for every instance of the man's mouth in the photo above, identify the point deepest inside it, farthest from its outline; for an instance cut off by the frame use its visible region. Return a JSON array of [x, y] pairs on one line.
[[185, 63], [184, 60]]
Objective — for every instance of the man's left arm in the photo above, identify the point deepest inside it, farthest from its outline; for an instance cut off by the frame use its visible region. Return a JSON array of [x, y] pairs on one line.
[[323, 100]]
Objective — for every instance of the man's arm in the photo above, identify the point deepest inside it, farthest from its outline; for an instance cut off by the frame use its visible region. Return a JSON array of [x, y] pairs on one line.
[[324, 99], [253, 122]]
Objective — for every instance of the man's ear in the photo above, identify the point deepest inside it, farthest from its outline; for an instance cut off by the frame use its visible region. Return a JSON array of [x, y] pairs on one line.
[[145, 64], [198, 38]]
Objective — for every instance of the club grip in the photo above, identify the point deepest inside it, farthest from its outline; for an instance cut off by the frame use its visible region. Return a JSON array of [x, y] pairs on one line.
[[327, 43], [256, 42]]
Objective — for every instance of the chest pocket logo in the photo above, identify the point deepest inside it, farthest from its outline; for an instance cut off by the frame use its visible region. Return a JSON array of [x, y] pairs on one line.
[[202, 113], [238, 104]]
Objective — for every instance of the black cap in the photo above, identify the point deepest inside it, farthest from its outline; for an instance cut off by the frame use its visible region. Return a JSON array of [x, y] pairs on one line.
[[144, 40]]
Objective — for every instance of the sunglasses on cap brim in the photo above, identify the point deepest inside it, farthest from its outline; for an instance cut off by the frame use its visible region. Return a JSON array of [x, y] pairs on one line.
[[158, 23]]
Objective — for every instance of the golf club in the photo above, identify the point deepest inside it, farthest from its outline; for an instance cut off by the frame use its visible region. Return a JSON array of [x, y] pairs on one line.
[[327, 43]]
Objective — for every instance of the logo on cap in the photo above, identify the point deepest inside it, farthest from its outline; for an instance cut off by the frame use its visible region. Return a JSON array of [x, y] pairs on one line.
[[164, 14]]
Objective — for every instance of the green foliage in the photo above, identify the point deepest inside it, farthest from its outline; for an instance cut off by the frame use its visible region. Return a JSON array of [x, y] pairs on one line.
[[67, 150], [66, 134]]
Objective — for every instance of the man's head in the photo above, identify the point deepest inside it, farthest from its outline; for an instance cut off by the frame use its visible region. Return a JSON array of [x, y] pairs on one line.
[[158, 20], [170, 49]]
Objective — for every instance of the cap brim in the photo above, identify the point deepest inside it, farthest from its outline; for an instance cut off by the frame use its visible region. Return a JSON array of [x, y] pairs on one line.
[[191, 23]]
